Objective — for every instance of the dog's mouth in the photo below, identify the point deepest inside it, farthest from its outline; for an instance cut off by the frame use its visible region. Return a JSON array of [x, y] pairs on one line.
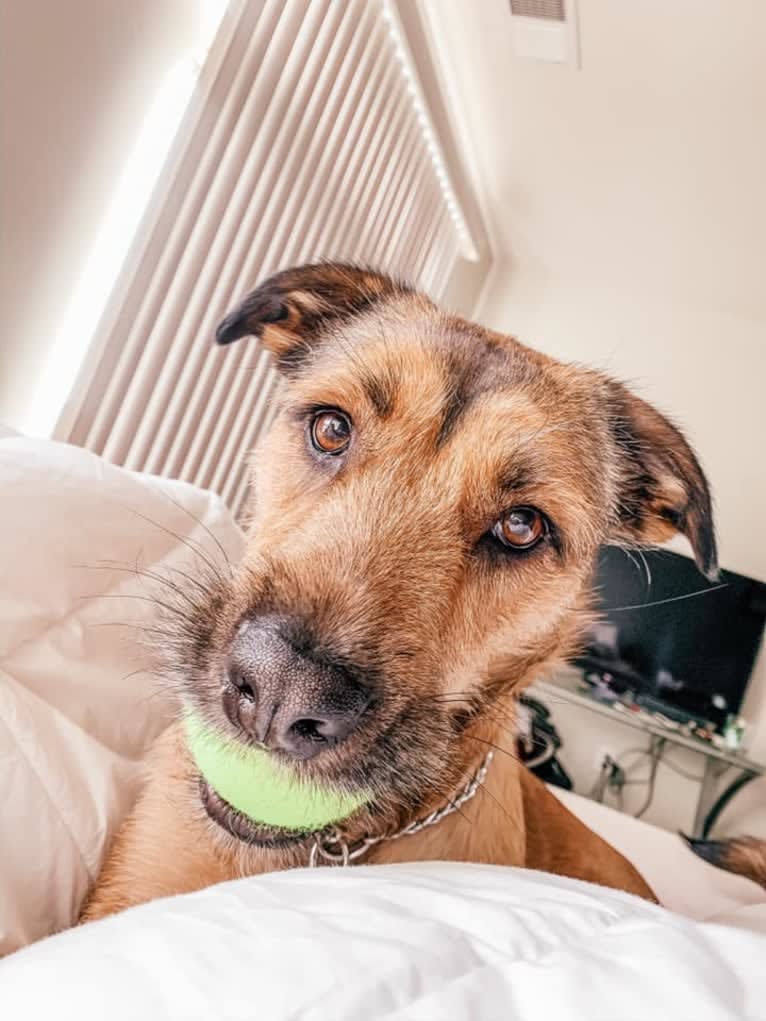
[[240, 826], [280, 804]]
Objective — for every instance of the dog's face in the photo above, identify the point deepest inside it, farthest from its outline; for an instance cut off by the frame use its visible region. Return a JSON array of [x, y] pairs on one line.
[[426, 512]]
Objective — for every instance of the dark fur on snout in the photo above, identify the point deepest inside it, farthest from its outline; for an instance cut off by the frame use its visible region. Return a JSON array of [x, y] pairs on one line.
[[386, 559]]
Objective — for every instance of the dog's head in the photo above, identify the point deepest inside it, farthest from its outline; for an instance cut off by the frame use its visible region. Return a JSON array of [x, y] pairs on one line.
[[425, 516]]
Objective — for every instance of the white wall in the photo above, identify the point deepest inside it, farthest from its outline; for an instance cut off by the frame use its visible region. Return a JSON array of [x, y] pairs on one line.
[[76, 82], [629, 213]]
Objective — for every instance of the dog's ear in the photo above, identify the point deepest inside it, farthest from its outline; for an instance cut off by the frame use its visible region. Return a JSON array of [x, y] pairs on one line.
[[661, 487], [290, 310]]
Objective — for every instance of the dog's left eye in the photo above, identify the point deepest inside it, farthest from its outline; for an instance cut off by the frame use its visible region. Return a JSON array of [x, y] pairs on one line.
[[330, 432], [520, 528]]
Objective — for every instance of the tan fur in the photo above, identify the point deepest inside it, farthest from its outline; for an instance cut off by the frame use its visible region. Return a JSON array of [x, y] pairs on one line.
[[387, 556], [744, 856]]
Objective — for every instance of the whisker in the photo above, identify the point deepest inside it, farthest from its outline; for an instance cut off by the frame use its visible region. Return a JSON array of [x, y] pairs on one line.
[[497, 747], [500, 805], [141, 572], [670, 599], [202, 525], [135, 626], [196, 548], [493, 711], [144, 599], [460, 811], [646, 568]]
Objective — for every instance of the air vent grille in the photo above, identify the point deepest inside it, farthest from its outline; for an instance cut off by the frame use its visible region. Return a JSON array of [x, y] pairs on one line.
[[545, 30], [551, 9]]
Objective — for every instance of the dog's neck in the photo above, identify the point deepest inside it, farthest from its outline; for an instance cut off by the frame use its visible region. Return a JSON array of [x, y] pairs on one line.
[[489, 828]]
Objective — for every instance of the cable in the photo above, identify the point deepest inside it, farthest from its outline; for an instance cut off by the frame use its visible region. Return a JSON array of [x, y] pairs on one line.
[[545, 755], [640, 753], [723, 801], [682, 772], [607, 780], [657, 748], [598, 790], [656, 753]]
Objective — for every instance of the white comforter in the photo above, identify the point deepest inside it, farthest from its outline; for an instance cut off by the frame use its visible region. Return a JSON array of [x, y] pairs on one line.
[[429, 941], [77, 711]]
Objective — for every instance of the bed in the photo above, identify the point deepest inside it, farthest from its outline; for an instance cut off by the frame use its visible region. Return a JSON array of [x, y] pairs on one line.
[[430, 940]]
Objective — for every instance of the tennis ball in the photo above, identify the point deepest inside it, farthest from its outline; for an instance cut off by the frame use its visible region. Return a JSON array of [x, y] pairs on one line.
[[254, 783]]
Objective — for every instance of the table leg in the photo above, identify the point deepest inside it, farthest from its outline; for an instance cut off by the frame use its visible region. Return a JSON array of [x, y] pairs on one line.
[[706, 797]]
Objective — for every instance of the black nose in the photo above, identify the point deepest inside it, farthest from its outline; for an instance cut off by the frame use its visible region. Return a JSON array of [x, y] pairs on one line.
[[285, 699]]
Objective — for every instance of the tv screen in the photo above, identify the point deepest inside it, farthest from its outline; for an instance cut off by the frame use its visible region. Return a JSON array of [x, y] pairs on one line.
[[673, 636]]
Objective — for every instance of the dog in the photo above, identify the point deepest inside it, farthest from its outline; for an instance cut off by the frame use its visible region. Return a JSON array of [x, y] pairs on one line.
[[425, 516], [742, 856]]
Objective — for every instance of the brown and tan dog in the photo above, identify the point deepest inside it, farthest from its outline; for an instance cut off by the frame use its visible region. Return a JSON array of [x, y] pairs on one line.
[[425, 518]]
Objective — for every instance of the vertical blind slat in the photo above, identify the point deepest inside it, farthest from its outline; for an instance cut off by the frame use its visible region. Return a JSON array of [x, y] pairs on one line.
[[202, 279], [97, 419], [271, 245]]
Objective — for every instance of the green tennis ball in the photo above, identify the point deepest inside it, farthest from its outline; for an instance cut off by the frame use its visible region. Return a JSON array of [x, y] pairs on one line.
[[251, 781]]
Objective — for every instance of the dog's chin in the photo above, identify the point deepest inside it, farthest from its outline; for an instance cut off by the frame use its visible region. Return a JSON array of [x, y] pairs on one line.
[[240, 826]]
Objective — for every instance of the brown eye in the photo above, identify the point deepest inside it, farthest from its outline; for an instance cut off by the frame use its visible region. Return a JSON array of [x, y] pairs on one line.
[[330, 432], [521, 528]]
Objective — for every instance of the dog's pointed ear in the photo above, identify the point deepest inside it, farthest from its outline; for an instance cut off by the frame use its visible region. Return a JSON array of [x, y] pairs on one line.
[[290, 310], [661, 488]]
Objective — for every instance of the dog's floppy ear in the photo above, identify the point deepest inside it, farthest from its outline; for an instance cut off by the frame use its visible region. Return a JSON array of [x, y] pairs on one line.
[[661, 487], [289, 311]]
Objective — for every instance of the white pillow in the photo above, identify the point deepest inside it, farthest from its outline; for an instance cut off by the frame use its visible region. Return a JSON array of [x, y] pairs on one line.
[[75, 715]]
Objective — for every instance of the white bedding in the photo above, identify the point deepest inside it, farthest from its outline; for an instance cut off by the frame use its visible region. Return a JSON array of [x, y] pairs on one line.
[[76, 710], [431, 942], [428, 941]]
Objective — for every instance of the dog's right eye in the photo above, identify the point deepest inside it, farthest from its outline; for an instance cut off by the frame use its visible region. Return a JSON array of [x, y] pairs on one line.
[[330, 432], [521, 528]]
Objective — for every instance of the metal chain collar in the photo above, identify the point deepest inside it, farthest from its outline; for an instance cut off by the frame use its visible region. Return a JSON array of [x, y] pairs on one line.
[[331, 846]]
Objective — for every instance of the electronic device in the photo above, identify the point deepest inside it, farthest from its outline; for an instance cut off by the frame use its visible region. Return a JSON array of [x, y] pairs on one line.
[[680, 644]]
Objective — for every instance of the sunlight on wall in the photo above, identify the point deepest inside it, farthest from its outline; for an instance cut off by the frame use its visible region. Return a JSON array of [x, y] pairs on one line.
[[132, 193]]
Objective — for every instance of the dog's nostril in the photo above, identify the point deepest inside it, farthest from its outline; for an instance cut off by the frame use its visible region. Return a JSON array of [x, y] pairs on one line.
[[309, 729], [243, 686]]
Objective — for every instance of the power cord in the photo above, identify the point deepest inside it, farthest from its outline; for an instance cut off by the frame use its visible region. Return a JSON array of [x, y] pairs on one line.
[[656, 750], [614, 774], [698, 778], [611, 776]]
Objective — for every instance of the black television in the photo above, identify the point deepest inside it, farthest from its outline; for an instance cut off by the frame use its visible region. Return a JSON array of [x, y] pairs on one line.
[[672, 637]]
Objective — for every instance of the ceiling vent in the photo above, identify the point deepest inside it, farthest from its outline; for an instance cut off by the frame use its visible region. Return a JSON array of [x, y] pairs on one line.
[[545, 30]]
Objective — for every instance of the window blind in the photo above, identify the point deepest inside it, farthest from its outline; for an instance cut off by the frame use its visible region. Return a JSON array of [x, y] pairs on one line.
[[311, 138]]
